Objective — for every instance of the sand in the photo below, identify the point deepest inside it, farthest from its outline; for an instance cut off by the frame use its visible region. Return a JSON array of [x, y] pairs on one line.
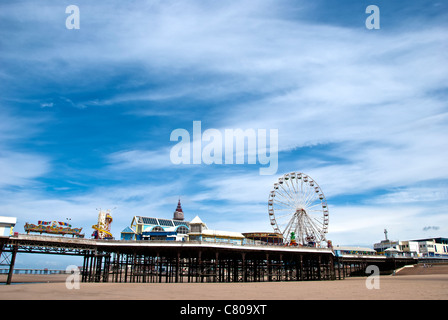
[[406, 287], [408, 284]]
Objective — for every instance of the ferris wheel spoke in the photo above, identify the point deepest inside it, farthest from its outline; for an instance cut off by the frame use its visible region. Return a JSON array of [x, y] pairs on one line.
[[296, 193], [288, 194], [290, 190], [280, 193], [318, 220], [281, 197], [314, 226], [291, 183], [310, 196], [314, 199], [280, 207], [315, 210], [300, 187], [308, 188], [291, 210], [289, 225], [311, 232], [286, 216], [283, 204], [313, 205], [286, 197], [319, 225], [307, 198]]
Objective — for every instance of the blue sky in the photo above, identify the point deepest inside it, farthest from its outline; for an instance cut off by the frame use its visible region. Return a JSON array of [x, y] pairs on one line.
[[86, 115]]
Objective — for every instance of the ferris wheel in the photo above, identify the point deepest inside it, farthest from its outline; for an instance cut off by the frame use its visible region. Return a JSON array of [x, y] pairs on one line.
[[298, 209]]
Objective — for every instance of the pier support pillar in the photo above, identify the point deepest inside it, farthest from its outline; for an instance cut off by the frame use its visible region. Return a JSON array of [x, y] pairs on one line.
[[217, 267], [243, 257], [177, 267], [200, 271], [268, 266], [11, 265]]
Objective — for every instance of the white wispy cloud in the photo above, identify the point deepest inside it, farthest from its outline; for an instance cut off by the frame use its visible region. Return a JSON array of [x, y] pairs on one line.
[[141, 159], [20, 169], [429, 195]]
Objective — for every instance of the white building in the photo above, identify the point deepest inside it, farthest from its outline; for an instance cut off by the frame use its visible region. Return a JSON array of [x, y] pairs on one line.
[[409, 248], [7, 225], [432, 247], [382, 246], [436, 247], [341, 251], [200, 232]]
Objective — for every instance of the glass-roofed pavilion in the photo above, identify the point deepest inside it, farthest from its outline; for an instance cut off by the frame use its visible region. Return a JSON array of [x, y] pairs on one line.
[[148, 228]]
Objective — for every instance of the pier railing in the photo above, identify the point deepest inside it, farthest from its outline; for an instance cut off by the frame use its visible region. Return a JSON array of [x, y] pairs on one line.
[[32, 271]]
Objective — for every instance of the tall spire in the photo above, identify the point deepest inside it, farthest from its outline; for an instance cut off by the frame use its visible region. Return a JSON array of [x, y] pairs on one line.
[[179, 207], [178, 214]]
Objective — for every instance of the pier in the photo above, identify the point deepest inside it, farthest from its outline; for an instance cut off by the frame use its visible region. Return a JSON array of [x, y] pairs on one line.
[[194, 261]]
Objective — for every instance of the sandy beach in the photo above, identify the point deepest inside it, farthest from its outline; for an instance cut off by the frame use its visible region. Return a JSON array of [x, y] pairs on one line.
[[408, 284]]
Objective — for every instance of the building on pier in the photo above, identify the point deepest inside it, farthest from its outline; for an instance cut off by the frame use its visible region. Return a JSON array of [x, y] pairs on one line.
[[429, 247], [432, 247], [177, 229], [7, 225], [263, 238], [149, 228], [340, 251], [200, 232]]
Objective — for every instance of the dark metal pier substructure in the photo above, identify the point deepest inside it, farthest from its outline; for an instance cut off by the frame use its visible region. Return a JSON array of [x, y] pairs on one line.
[[164, 263], [7, 257], [357, 265], [10, 246]]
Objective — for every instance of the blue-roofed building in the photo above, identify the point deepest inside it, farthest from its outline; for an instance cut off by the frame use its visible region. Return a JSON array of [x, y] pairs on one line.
[[128, 234], [148, 228]]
